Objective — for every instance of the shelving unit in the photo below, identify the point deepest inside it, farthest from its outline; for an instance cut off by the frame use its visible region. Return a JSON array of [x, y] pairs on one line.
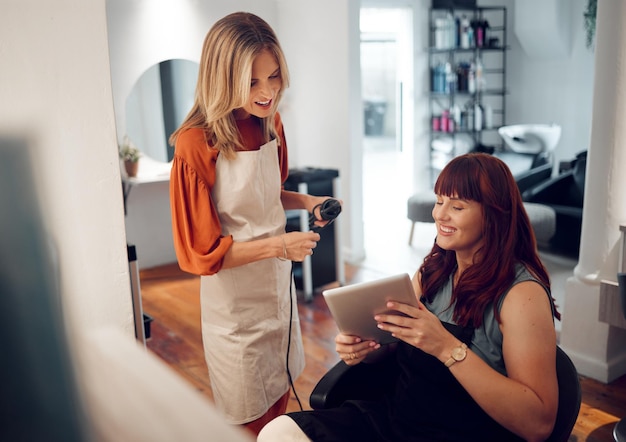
[[468, 77]]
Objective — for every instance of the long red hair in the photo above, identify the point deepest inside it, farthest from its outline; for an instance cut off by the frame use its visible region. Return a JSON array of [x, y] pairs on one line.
[[508, 239]]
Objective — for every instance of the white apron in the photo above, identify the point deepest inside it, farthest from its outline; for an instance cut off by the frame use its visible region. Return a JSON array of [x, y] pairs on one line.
[[246, 310]]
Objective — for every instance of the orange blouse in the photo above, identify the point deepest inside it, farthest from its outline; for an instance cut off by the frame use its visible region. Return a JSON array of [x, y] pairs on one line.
[[197, 231]]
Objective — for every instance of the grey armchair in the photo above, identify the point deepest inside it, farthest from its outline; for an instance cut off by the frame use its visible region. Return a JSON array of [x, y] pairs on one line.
[[564, 193]]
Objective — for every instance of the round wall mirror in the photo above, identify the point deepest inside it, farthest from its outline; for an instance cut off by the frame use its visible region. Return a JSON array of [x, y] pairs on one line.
[[157, 105]]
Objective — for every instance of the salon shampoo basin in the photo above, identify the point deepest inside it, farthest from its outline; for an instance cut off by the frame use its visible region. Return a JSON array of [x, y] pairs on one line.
[[531, 138]]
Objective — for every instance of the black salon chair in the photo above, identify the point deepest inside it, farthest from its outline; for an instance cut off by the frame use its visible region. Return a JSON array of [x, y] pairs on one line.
[[533, 177], [369, 381], [564, 193], [528, 169]]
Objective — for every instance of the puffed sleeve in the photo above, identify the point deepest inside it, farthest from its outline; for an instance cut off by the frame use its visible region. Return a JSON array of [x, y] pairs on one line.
[[199, 244], [283, 160]]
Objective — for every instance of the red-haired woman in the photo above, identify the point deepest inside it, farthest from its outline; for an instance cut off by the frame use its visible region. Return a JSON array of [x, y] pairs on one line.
[[477, 358]]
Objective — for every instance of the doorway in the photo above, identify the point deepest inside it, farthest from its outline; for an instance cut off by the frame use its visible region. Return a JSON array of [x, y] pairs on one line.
[[387, 75], [387, 89]]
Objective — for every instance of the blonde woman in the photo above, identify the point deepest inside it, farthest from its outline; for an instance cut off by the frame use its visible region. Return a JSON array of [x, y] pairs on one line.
[[228, 220]]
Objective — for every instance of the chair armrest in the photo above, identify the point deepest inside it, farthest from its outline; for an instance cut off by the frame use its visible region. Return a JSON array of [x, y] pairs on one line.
[[532, 177], [568, 212], [324, 392], [366, 381], [555, 190]]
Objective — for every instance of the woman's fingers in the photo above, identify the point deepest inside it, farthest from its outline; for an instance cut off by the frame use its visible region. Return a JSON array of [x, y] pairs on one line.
[[299, 245], [346, 339], [358, 352], [352, 349]]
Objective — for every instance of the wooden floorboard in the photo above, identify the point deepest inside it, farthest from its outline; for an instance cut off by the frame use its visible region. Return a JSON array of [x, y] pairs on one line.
[[171, 298]]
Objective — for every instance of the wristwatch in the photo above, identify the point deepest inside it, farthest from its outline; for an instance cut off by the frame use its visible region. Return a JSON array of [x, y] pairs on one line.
[[457, 355]]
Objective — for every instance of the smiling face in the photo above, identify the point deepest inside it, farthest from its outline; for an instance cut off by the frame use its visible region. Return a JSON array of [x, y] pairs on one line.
[[264, 87], [459, 225]]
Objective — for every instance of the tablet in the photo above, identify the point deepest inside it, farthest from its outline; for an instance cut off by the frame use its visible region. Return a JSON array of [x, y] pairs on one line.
[[353, 306]]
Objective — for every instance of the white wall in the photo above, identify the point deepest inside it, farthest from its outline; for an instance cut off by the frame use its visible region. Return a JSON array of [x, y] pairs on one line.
[[555, 88], [322, 108], [55, 87]]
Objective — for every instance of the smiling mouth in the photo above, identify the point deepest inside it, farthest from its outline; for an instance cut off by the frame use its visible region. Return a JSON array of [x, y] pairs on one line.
[[263, 103], [447, 229]]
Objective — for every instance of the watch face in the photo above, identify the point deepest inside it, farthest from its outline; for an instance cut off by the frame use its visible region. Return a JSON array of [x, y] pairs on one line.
[[459, 353]]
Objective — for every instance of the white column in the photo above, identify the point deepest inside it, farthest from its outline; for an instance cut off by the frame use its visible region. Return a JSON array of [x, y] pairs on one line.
[[598, 349]]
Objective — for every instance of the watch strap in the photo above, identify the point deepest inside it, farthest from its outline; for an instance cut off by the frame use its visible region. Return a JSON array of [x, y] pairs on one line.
[[452, 360]]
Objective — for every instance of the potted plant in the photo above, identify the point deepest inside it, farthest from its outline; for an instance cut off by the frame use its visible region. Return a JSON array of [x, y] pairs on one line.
[[130, 154]]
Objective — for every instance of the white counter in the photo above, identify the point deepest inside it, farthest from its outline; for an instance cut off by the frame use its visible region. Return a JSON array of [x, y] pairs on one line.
[[148, 216]]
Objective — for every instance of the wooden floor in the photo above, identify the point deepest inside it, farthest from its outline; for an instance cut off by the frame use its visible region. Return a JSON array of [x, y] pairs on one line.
[[171, 298]]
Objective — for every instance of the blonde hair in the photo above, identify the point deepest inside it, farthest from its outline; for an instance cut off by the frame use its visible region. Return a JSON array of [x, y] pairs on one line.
[[224, 79]]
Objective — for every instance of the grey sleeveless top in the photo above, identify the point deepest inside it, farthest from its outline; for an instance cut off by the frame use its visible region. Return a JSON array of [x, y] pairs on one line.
[[487, 340]]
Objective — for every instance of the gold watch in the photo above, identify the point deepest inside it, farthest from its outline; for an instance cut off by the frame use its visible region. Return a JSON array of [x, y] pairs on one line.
[[457, 355]]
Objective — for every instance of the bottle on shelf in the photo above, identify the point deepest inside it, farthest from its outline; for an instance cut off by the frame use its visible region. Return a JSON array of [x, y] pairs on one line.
[[486, 36], [445, 32], [451, 125], [445, 120], [471, 79], [478, 117], [450, 85], [439, 78], [469, 117], [450, 32], [436, 123], [439, 33], [455, 115], [462, 74], [481, 83], [463, 120], [465, 32], [470, 36], [480, 32], [488, 117]]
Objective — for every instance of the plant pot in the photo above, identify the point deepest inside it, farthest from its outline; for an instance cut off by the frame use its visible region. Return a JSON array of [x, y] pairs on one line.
[[131, 168]]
